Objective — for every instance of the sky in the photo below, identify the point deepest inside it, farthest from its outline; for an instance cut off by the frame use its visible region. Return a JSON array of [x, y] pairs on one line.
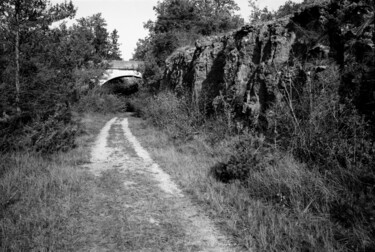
[[128, 16]]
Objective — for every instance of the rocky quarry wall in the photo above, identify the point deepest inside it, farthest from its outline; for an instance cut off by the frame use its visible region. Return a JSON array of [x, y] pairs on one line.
[[253, 67]]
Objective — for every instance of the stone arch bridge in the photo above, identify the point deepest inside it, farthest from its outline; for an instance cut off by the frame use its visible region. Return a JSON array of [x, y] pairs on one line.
[[118, 69]]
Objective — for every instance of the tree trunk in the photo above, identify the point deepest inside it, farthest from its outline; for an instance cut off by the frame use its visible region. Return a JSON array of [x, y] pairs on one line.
[[17, 77], [17, 56]]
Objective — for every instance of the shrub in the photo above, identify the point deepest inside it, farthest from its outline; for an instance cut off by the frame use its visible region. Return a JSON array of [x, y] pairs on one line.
[[36, 201], [97, 101], [174, 114], [47, 132], [328, 134], [271, 176], [317, 155]]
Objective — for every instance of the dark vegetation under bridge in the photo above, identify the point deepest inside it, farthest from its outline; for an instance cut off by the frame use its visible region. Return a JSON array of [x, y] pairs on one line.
[[123, 77]]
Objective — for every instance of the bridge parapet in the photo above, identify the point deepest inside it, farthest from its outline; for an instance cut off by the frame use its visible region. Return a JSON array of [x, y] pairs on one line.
[[119, 69], [126, 65]]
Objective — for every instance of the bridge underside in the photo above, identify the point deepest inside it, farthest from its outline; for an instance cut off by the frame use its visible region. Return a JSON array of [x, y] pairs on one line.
[[122, 85], [112, 74]]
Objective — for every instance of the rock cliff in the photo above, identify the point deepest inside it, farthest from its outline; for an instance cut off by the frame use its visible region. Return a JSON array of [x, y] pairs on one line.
[[253, 66]]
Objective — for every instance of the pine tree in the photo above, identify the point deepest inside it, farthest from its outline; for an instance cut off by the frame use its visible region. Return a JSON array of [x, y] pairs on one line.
[[114, 52], [26, 16]]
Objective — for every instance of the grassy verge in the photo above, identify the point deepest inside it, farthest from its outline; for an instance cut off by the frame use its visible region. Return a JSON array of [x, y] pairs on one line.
[[275, 212], [302, 179], [38, 193]]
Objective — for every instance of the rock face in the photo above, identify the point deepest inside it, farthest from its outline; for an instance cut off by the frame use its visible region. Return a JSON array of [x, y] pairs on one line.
[[252, 66]]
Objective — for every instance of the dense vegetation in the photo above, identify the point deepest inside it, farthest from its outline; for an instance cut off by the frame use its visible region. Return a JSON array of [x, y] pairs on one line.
[[43, 71], [288, 8], [47, 77], [303, 183], [312, 167], [179, 23]]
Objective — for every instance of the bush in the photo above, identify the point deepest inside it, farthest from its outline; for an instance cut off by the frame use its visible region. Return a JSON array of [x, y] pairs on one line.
[[54, 130], [328, 134], [273, 177], [36, 201], [316, 156], [174, 114], [97, 101]]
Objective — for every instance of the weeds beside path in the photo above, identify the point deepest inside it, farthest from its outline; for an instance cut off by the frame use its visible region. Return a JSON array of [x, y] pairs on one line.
[[253, 223], [119, 200], [133, 205]]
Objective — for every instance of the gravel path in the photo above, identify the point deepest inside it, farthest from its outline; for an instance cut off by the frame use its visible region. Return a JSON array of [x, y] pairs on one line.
[[140, 207]]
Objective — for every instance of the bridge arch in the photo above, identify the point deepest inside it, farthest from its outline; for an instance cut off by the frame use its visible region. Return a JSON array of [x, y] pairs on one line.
[[118, 68], [111, 74]]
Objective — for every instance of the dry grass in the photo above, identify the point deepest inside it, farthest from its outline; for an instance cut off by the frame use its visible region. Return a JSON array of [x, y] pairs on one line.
[[54, 204], [38, 192], [110, 215], [252, 221]]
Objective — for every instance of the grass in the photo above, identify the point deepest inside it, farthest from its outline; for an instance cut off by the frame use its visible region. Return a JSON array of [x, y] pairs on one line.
[[47, 203], [38, 193], [53, 203], [307, 181], [253, 222]]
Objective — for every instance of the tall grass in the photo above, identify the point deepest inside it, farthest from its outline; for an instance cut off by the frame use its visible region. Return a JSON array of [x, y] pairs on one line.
[[328, 134], [36, 201], [38, 193], [46, 131], [174, 114], [305, 184], [97, 101], [275, 210]]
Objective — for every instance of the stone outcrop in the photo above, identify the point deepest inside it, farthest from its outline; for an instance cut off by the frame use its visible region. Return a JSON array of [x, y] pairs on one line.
[[252, 66]]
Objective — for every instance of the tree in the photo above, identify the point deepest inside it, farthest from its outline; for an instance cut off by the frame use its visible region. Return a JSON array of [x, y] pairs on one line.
[[179, 23], [196, 16], [143, 48], [114, 52], [26, 16], [91, 33], [260, 15], [216, 16], [288, 8], [174, 15], [97, 26]]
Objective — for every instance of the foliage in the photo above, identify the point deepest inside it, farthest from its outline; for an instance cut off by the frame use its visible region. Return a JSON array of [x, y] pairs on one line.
[[114, 51], [40, 194], [166, 110], [35, 194], [316, 157], [38, 106], [323, 164], [92, 35], [288, 8], [259, 15], [315, 160], [45, 69], [99, 102], [52, 131], [21, 17], [179, 23], [331, 136]]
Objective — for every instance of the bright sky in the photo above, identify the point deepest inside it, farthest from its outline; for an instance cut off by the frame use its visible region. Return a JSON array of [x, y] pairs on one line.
[[128, 16]]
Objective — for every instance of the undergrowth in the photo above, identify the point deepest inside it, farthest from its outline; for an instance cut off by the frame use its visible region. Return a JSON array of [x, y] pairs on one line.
[[304, 184], [38, 193], [35, 202], [97, 101], [45, 132]]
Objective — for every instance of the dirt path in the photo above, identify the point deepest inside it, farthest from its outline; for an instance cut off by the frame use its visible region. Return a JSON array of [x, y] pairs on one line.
[[134, 206]]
